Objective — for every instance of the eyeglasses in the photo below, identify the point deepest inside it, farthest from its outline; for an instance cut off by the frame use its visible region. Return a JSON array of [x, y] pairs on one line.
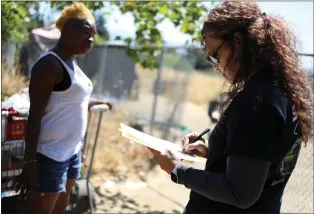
[[213, 58]]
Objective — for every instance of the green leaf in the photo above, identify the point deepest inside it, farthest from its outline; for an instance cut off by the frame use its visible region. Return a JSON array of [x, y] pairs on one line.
[[163, 10], [128, 40], [118, 38]]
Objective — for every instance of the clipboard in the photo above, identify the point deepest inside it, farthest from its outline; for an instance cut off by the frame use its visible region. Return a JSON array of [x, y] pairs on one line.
[[157, 143]]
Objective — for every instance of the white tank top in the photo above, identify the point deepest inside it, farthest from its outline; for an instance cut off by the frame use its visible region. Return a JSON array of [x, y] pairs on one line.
[[64, 122]]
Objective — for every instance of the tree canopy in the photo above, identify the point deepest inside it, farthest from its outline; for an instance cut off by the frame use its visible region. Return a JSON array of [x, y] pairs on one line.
[[13, 17], [186, 16]]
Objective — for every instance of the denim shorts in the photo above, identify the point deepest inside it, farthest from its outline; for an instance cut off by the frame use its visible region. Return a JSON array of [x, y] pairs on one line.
[[53, 175]]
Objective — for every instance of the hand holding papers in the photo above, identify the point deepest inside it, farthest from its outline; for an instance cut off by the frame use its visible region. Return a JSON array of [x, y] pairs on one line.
[[156, 143]]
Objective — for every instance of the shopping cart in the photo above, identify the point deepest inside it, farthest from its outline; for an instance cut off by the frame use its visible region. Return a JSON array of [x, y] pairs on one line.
[[12, 158], [12, 148], [82, 196]]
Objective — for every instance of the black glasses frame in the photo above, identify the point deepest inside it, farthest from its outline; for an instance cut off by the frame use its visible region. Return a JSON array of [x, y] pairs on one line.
[[213, 58]]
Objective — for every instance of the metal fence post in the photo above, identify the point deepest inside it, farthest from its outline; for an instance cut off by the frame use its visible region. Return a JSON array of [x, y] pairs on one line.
[[156, 89], [102, 70]]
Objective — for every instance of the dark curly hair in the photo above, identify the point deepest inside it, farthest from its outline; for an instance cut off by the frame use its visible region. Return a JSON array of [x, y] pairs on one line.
[[267, 42]]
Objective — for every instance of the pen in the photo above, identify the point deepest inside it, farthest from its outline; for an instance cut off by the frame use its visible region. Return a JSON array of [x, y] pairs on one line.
[[198, 137]]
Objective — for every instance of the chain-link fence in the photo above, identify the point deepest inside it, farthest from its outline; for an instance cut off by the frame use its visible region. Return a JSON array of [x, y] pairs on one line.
[[158, 96], [156, 99], [159, 93]]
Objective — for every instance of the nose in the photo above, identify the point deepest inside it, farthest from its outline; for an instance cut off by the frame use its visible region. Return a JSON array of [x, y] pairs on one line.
[[216, 67]]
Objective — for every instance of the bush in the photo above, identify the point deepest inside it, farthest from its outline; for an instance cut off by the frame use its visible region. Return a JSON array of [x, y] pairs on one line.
[[12, 82]]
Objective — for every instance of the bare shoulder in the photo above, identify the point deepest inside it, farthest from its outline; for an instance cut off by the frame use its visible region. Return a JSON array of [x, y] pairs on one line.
[[48, 66]]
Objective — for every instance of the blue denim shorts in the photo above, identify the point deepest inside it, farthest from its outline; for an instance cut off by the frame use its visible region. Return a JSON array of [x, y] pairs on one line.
[[53, 175]]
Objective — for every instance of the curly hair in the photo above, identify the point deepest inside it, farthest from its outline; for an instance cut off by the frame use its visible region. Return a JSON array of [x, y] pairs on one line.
[[76, 10], [267, 42]]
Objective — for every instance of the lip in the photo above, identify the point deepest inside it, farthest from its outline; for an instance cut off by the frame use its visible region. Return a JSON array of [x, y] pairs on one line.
[[89, 44]]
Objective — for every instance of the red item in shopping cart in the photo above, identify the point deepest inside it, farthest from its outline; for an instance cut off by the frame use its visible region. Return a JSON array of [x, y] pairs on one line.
[[14, 126], [15, 129]]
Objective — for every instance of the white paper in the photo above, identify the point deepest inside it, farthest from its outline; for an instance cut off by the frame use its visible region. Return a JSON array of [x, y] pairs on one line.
[[157, 144]]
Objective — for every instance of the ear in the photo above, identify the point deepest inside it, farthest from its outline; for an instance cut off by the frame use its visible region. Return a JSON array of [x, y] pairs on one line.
[[237, 41], [237, 37]]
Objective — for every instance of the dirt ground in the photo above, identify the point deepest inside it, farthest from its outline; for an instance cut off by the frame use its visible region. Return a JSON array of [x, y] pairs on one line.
[[160, 195], [152, 191]]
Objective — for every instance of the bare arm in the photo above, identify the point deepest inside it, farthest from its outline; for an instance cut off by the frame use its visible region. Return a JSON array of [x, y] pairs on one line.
[[45, 74]]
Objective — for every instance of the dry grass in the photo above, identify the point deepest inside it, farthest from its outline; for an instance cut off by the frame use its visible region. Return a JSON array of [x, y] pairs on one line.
[[201, 89], [115, 155], [12, 82], [204, 87]]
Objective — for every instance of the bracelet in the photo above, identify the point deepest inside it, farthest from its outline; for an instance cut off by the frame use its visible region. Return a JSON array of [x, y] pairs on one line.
[[30, 161]]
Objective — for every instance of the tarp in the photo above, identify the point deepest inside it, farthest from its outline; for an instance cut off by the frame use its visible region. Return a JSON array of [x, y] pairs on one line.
[[18, 101], [45, 37]]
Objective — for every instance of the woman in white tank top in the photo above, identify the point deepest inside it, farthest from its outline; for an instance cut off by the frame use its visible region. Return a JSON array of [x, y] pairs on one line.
[[59, 101]]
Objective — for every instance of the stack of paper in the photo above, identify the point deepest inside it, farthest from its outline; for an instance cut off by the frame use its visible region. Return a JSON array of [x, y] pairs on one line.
[[156, 143]]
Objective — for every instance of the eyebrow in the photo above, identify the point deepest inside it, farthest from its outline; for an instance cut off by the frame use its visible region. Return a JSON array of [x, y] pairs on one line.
[[208, 50], [89, 27], [87, 24]]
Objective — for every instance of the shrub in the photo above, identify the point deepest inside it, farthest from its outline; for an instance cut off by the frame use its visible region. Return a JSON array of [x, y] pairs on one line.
[[12, 81]]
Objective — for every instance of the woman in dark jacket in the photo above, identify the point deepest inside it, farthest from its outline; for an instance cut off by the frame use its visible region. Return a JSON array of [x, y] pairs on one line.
[[266, 116]]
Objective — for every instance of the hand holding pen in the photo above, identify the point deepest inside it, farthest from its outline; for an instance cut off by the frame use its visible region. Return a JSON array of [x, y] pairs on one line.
[[195, 144]]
